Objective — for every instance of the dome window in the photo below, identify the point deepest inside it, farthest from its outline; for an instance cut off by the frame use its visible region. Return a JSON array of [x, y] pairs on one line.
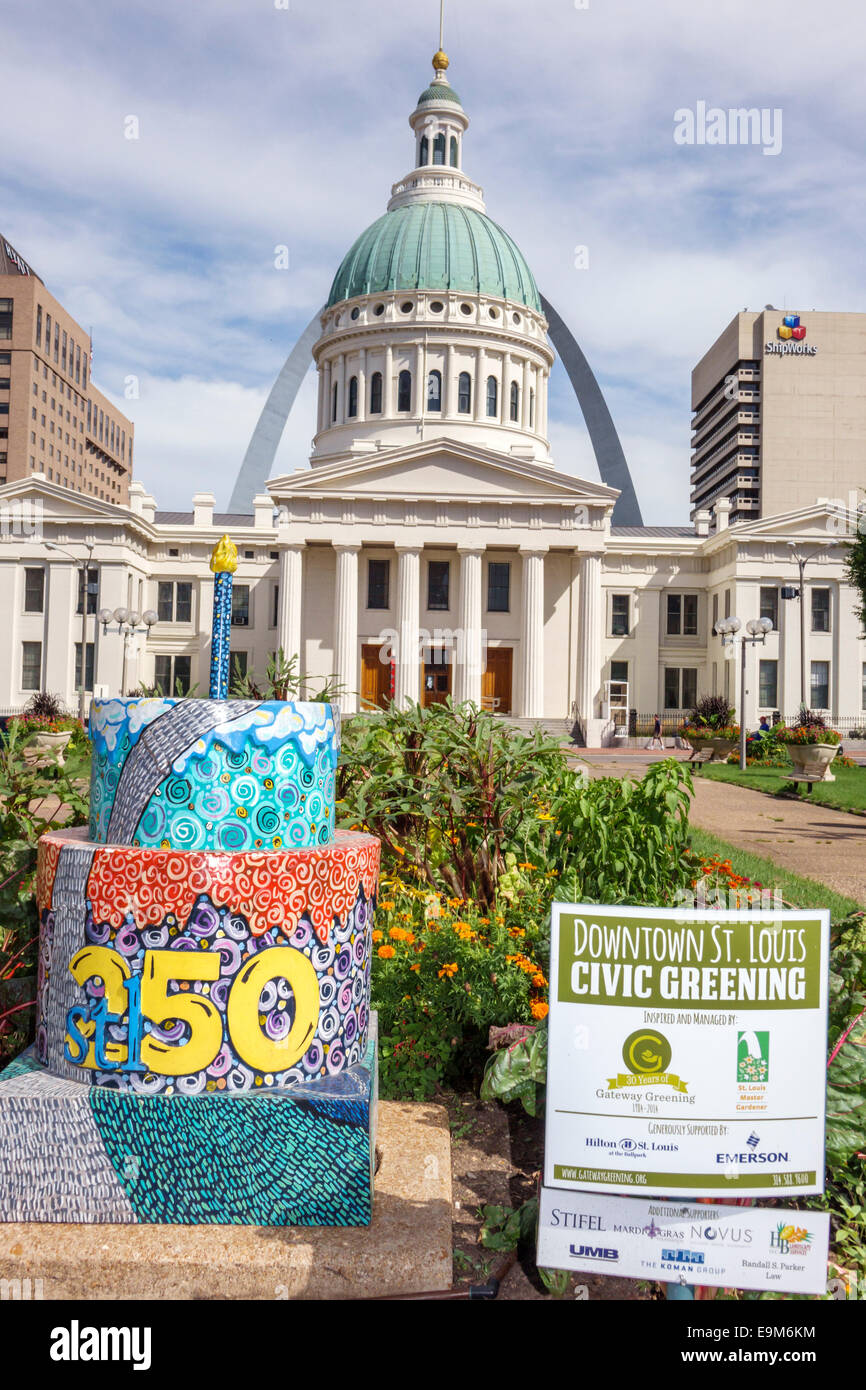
[[464, 394], [434, 391], [515, 402], [334, 403], [439, 149], [406, 307], [404, 391], [353, 397], [437, 306], [454, 153], [376, 394], [516, 318], [379, 310], [356, 314], [492, 397], [466, 309], [494, 313], [424, 157]]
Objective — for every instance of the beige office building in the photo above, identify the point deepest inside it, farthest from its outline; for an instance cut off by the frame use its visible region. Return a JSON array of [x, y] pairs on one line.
[[779, 413], [53, 420]]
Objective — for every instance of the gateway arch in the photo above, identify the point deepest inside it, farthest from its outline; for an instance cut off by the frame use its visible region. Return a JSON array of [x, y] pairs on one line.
[[609, 456]]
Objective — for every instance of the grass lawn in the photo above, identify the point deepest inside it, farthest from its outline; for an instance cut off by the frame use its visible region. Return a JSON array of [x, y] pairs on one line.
[[847, 793], [800, 892]]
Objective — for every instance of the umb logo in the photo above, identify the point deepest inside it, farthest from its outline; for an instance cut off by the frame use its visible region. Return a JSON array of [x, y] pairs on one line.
[[592, 1252]]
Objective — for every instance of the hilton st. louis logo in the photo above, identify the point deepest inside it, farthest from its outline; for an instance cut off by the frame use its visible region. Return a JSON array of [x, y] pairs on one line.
[[791, 336]]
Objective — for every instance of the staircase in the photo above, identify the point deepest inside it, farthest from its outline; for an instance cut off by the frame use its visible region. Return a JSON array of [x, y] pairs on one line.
[[563, 730]]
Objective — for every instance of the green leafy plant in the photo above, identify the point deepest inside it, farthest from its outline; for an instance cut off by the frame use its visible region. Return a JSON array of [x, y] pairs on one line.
[[518, 1068], [712, 712], [283, 681]]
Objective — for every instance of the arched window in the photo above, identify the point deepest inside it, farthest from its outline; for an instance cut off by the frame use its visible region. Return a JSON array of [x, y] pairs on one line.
[[439, 149], [492, 397], [434, 391], [353, 397], [464, 394], [425, 151], [334, 405], [515, 401], [454, 152], [376, 394], [532, 410], [404, 391]]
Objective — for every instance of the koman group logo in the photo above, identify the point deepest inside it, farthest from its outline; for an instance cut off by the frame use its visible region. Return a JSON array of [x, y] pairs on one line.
[[790, 327]]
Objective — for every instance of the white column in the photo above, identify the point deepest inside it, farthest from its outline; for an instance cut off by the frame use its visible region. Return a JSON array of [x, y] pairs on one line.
[[589, 635], [346, 625], [326, 416], [388, 397], [448, 385], [420, 383], [407, 675], [362, 387], [290, 605], [468, 655], [480, 384], [505, 390], [532, 633], [340, 376]]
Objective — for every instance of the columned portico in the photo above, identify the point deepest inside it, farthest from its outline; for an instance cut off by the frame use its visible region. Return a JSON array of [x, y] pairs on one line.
[[407, 656], [346, 625], [468, 653], [590, 630], [532, 633], [291, 594]]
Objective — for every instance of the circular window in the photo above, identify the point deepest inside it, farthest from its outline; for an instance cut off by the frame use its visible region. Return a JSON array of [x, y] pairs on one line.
[[379, 310], [406, 307], [494, 313], [466, 309], [516, 318], [437, 306], [356, 314]]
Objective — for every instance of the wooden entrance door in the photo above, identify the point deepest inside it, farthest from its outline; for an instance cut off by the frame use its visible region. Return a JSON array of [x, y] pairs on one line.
[[375, 678], [496, 680], [435, 676]]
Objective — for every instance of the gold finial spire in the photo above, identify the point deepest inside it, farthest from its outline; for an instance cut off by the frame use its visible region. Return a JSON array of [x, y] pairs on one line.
[[440, 59]]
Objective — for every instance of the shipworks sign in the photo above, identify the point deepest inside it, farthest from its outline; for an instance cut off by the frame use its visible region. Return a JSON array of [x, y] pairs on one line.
[[790, 340]]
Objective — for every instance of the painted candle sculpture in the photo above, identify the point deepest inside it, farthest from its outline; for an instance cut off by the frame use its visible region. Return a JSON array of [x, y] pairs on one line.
[[204, 1047], [223, 563]]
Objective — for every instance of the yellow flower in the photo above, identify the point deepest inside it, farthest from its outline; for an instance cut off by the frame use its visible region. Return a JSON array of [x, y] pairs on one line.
[[448, 971]]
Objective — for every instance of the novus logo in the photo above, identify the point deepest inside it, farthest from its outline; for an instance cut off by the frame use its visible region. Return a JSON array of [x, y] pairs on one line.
[[76, 1343]]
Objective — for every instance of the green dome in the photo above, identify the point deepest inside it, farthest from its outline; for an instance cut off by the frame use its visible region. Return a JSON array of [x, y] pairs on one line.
[[439, 91], [436, 246]]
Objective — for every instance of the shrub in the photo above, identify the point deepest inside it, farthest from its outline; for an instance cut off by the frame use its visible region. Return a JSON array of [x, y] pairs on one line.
[[712, 712], [44, 705]]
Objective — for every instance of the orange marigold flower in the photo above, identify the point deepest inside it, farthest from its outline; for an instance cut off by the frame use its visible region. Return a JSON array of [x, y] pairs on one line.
[[387, 905], [386, 952], [539, 980], [539, 1010], [378, 936], [448, 971], [416, 966]]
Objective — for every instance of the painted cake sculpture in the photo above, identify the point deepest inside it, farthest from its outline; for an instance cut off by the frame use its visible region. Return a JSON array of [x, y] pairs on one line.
[[204, 1050]]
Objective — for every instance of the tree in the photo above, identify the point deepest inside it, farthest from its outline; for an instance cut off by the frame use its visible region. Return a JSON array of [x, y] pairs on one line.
[[855, 562]]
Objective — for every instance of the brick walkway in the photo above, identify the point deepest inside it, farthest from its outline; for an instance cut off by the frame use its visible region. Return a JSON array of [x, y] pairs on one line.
[[810, 840]]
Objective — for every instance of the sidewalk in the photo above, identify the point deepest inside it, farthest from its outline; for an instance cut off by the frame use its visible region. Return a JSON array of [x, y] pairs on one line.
[[813, 841]]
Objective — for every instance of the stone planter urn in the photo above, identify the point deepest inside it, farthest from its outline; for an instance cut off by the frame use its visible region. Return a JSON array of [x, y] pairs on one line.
[[46, 749], [722, 748], [812, 761]]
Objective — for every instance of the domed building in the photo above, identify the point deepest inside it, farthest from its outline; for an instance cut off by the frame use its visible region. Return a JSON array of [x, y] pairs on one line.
[[432, 523]]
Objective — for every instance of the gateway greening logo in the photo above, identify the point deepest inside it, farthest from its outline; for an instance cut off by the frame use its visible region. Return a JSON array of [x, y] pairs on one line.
[[647, 1054]]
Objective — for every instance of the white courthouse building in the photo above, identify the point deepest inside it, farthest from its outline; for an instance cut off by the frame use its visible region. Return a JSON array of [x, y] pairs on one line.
[[431, 545]]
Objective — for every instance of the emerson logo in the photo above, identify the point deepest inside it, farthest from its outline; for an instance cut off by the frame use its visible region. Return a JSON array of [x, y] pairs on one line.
[[752, 1158], [592, 1252]]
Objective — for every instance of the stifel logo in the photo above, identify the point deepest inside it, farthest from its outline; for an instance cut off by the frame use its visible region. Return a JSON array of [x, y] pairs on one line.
[[790, 328]]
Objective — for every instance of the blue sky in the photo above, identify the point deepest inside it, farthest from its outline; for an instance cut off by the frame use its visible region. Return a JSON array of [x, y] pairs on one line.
[[262, 126]]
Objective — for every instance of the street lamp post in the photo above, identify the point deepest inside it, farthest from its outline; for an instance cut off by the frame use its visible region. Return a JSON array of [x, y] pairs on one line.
[[800, 593], [757, 629], [84, 565], [127, 628]]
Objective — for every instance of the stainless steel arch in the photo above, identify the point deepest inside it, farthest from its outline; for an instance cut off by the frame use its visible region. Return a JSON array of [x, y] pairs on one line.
[[612, 466], [608, 451]]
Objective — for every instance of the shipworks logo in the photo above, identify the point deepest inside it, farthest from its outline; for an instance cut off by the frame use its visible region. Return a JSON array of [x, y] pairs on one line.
[[791, 334], [593, 1252]]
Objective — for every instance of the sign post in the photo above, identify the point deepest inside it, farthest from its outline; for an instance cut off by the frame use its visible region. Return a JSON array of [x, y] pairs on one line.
[[687, 1060]]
